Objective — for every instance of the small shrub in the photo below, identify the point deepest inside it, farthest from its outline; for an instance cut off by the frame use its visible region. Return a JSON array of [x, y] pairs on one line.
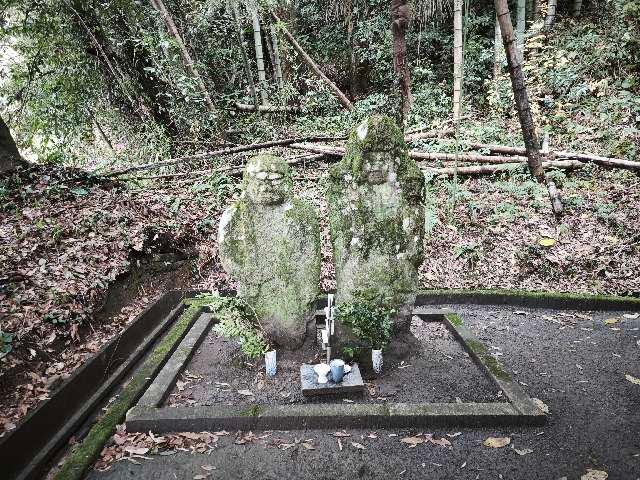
[[238, 321], [370, 319]]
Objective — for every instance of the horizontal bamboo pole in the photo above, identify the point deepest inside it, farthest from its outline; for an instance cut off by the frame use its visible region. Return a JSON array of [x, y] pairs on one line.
[[501, 167], [243, 107]]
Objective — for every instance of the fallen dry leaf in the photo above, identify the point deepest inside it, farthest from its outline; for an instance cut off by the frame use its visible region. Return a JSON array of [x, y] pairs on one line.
[[136, 450], [497, 442], [443, 442], [523, 451], [632, 379], [357, 445], [543, 407], [412, 441], [594, 475], [247, 393], [341, 434]]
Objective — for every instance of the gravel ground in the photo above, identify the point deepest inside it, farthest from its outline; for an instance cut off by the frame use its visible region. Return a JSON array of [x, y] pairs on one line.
[[575, 362], [438, 371]]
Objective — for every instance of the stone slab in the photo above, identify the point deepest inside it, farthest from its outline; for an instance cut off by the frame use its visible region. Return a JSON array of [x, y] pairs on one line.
[[351, 383], [162, 384]]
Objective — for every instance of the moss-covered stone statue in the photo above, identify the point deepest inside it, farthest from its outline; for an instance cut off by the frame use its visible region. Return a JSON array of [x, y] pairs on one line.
[[269, 242], [375, 198]]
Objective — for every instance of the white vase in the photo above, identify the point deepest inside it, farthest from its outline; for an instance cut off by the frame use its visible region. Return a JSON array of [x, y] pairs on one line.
[[322, 370], [376, 360], [270, 363]]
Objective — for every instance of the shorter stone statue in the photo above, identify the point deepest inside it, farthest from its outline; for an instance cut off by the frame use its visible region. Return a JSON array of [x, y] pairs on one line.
[[269, 242], [375, 198]]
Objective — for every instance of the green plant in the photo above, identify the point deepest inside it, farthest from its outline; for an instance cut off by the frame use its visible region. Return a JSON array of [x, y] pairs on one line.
[[6, 340], [369, 318], [238, 321]]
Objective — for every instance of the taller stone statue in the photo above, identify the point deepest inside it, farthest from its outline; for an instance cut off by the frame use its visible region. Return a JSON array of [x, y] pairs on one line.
[[269, 242], [375, 199]]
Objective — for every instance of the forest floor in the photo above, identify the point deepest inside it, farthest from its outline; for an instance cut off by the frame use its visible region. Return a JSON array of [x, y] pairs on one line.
[[64, 250]]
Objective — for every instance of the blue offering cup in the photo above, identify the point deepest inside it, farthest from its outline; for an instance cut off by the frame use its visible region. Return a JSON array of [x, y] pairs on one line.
[[337, 370]]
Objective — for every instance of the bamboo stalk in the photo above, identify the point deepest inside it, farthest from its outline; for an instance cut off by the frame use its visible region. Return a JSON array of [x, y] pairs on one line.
[[562, 154], [184, 52], [502, 167], [233, 169], [222, 151], [243, 107], [534, 157], [416, 155]]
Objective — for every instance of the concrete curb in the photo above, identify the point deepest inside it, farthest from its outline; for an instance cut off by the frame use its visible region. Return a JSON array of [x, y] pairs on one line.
[[25, 452], [519, 411]]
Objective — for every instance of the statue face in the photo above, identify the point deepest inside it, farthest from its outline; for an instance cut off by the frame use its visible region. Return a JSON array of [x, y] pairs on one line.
[[266, 181], [376, 166]]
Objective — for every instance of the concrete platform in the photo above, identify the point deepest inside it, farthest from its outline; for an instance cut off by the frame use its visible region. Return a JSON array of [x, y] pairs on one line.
[[351, 383]]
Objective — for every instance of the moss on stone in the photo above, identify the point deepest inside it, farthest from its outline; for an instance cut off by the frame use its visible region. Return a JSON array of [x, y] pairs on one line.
[[376, 222], [476, 346], [84, 453], [494, 367], [272, 249], [454, 319], [535, 296], [253, 411]]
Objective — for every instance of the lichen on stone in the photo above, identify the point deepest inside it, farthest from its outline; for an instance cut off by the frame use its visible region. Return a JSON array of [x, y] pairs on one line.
[[375, 197], [270, 243]]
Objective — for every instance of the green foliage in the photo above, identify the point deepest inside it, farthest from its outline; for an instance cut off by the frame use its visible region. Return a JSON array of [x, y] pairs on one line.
[[237, 321], [369, 318], [6, 340]]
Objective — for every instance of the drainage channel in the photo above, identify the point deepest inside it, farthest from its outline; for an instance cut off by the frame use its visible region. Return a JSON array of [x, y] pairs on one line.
[[26, 452]]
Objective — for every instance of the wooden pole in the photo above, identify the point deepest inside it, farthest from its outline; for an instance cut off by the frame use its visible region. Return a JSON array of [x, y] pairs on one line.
[[313, 65], [222, 151], [184, 52], [502, 167]]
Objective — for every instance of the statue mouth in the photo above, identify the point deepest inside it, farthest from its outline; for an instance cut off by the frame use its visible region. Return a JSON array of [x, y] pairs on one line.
[[376, 176]]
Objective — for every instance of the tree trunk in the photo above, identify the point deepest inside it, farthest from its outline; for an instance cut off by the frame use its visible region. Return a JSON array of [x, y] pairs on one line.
[[530, 9], [551, 15], [10, 158], [276, 56], [243, 53], [257, 41], [522, 104], [350, 44], [186, 56], [457, 58], [577, 8], [400, 14], [536, 11], [520, 28], [316, 69], [498, 52]]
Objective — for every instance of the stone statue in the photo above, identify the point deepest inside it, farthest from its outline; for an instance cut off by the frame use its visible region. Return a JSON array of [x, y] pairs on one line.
[[269, 242], [375, 198]]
